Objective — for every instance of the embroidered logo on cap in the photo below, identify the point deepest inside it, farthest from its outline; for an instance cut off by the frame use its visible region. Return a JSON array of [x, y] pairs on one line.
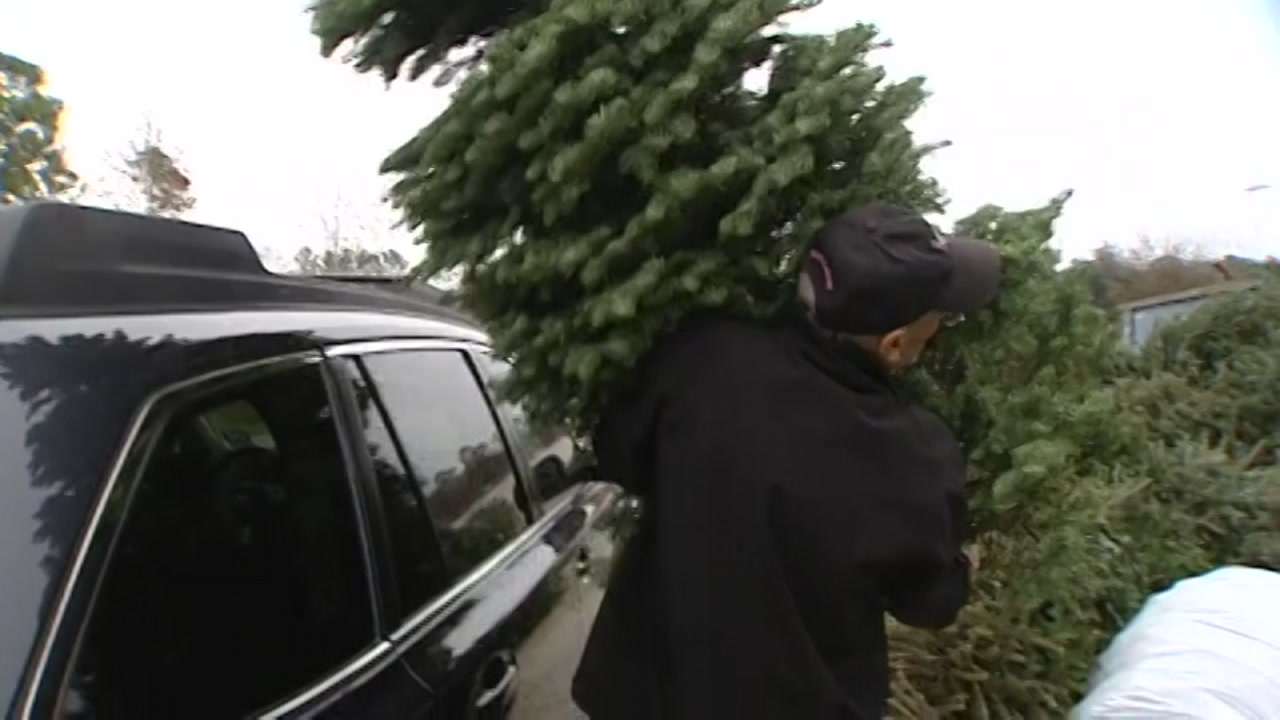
[[828, 280]]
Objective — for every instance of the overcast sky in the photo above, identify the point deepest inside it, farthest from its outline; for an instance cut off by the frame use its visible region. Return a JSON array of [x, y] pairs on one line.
[[1159, 113]]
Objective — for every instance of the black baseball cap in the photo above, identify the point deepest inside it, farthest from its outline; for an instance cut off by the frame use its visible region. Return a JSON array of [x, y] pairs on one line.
[[879, 267]]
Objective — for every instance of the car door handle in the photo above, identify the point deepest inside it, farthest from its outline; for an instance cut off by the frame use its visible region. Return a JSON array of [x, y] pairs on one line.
[[497, 678]]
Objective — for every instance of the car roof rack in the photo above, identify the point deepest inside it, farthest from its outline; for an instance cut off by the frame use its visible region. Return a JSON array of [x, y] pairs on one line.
[[59, 258]]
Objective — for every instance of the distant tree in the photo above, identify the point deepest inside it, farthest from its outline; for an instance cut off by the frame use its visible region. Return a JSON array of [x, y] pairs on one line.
[[157, 183], [347, 249], [31, 163], [385, 34], [1117, 275], [350, 259]]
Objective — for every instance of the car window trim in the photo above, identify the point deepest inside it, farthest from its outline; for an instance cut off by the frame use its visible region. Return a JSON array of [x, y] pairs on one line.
[[352, 453], [359, 351], [591, 497], [420, 622], [378, 347], [380, 543], [516, 454], [506, 425], [516, 450], [367, 664], [99, 535]]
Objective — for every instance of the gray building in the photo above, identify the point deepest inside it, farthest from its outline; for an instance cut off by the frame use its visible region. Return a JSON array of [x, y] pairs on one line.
[[1140, 319]]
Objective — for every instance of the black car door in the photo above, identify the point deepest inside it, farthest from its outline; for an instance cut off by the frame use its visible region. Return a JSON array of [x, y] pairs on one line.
[[483, 580]]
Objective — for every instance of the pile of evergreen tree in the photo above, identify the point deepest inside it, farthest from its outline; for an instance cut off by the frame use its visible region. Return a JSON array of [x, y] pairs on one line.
[[609, 167], [1216, 377], [1228, 356], [1092, 482]]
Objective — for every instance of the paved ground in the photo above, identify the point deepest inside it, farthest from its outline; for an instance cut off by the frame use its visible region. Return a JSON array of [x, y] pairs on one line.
[[554, 650]]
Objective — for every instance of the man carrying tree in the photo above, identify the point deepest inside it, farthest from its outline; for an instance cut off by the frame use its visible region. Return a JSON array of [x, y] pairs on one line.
[[792, 497]]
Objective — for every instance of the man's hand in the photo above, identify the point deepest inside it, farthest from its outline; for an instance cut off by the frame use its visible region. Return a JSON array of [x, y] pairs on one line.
[[973, 553]]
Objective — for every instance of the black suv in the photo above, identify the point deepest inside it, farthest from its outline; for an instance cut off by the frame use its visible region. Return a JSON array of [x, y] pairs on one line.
[[230, 493]]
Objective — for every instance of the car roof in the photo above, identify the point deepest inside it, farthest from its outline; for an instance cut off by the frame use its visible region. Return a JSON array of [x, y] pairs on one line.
[[58, 259]]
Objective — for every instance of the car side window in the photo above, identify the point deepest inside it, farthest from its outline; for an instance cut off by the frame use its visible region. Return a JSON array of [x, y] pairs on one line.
[[455, 450], [549, 449], [417, 561], [238, 576]]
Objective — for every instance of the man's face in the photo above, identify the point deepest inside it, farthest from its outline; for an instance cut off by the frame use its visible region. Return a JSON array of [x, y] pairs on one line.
[[903, 347]]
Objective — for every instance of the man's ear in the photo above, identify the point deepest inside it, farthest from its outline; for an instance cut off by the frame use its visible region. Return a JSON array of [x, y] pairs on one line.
[[892, 349]]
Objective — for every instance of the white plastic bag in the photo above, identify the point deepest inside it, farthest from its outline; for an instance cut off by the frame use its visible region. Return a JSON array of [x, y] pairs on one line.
[[1206, 648]]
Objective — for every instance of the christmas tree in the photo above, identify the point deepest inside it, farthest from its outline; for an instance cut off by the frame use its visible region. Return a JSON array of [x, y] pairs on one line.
[[611, 168]]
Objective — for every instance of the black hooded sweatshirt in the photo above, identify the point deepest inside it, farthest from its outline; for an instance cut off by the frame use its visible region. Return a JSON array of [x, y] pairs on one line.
[[791, 498]]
